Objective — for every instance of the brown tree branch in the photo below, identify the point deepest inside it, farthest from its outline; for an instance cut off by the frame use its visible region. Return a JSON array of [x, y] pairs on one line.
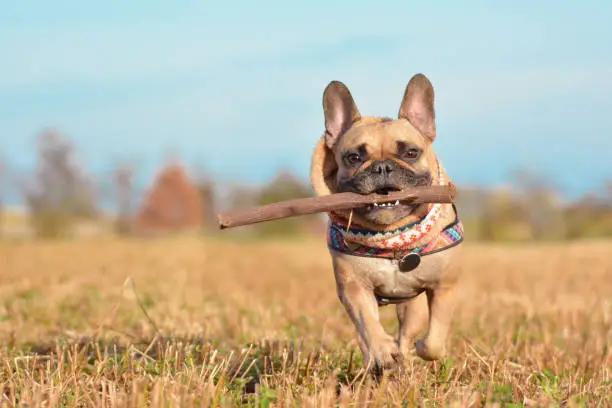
[[333, 202]]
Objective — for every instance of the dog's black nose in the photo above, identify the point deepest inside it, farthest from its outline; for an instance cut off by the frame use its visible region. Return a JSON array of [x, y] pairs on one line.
[[381, 167]]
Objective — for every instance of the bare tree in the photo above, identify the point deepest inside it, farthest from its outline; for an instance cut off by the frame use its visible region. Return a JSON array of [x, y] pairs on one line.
[[206, 189], [60, 190]]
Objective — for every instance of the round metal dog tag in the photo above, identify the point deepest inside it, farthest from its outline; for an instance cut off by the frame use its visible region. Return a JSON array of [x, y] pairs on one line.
[[409, 262]]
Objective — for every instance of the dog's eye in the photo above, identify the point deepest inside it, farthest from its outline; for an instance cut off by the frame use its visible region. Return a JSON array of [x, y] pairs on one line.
[[353, 159], [411, 154]]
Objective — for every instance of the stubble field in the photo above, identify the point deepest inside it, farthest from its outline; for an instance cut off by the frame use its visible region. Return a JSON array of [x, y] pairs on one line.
[[193, 322]]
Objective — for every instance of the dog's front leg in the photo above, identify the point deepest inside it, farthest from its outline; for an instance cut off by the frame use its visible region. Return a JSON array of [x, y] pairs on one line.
[[441, 302], [412, 316], [380, 351]]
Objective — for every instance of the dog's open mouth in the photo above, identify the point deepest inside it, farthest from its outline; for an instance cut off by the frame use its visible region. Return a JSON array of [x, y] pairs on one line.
[[386, 212], [383, 205], [387, 205]]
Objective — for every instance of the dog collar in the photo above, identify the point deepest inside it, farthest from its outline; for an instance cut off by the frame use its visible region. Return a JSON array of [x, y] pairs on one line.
[[449, 237], [400, 238]]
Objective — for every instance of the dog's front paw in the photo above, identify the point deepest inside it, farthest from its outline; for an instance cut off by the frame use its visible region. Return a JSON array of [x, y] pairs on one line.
[[384, 355], [428, 351]]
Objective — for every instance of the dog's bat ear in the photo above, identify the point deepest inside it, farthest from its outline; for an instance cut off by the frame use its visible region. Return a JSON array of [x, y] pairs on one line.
[[418, 106], [340, 111]]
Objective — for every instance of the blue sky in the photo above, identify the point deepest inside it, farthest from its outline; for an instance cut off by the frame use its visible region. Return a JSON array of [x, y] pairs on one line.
[[235, 88]]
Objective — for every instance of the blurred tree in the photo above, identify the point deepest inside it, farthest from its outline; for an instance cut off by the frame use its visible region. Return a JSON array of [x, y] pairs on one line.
[[284, 186], [472, 203], [608, 192], [502, 218], [207, 192], [590, 216], [240, 197], [172, 204], [206, 188], [60, 191], [541, 205], [124, 193]]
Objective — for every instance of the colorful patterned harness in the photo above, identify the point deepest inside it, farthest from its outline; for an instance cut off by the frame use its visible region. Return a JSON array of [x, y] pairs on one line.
[[451, 236]]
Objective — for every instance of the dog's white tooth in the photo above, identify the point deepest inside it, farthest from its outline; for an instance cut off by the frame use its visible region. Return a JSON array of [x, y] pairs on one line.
[[397, 202], [375, 204]]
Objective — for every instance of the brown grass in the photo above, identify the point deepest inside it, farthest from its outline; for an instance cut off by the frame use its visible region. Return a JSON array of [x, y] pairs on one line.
[[187, 322]]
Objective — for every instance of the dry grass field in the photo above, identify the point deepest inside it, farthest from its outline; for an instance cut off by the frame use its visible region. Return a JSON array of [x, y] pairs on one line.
[[192, 322]]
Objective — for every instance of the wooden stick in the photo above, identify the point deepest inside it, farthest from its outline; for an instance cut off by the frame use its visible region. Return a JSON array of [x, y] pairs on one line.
[[334, 202]]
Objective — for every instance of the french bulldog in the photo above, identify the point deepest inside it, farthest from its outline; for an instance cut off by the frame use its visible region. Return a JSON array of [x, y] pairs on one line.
[[367, 154]]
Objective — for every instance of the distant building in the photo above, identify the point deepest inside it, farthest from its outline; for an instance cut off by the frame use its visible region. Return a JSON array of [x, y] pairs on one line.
[[173, 204]]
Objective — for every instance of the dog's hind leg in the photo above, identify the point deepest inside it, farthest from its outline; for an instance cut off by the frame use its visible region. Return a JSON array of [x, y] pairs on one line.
[[441, 303]]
